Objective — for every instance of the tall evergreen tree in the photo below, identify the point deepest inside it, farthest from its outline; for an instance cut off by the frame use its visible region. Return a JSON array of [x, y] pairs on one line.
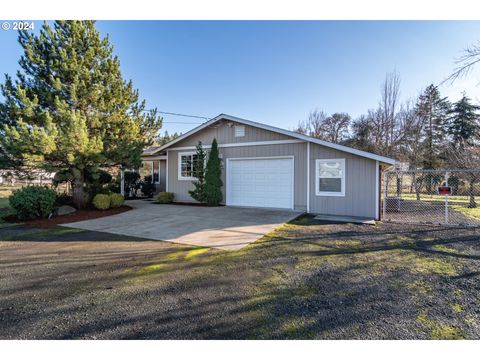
[[198, 193], [463, 123], [433, 110], [70, 109], [213, 180]]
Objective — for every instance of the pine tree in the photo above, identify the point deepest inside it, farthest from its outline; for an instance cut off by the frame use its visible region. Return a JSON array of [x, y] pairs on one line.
[[463, 123], [199, 172], [433, 111], [70, 109], [213, 180]]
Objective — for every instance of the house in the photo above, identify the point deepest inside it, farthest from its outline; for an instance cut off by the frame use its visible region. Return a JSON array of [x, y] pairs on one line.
[[269, 167]]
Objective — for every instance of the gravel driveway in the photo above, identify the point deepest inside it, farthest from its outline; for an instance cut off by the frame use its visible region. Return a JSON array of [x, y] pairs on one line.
[[306, 280]]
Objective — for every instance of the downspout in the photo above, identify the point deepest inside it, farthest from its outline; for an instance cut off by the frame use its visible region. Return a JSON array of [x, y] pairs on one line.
[[122, 181], [166, 174], [308, 177], [377, 190]]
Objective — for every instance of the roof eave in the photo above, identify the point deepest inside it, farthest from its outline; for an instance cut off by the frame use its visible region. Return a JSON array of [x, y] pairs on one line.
[[343, 148]]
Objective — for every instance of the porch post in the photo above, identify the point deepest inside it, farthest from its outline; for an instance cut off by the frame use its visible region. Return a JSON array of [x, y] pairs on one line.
[[122, 181]]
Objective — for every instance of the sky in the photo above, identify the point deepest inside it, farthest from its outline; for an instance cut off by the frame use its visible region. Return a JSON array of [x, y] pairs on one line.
[[276, 72]]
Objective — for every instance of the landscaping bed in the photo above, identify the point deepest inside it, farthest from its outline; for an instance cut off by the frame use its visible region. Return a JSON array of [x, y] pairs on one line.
[[79, 215]]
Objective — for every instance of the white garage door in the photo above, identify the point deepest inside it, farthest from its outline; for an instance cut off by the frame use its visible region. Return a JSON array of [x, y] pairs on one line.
[[260, 182]]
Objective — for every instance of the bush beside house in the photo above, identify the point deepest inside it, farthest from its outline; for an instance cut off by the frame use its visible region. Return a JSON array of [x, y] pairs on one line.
[[116, 200], [213, 177], [165, 197], [101, 201], [31, 202]]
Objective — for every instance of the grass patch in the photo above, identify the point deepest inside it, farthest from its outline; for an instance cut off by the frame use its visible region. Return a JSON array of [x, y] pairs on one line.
[[153, 268], [195, 252], [434, 197], [426, 264], [457, 308], [470, 212], [445, 249], [439, 331]]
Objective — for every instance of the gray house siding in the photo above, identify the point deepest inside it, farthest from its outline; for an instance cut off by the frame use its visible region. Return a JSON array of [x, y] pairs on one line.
[[360, 172], [226, 135], [298, 151], [359, 199]]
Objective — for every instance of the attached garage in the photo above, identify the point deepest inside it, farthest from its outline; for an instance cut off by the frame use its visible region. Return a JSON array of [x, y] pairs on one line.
[[266, 167], [260, 182]]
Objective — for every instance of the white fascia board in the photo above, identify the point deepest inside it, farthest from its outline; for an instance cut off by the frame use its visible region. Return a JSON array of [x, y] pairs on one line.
[[343, 148], [313, 140], [253, 143]]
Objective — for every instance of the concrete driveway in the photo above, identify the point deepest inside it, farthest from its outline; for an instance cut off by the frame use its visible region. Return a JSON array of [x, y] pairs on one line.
[[226, 228]]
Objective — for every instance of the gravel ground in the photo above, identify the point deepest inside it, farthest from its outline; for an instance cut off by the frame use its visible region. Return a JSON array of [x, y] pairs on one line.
[[307, 280]]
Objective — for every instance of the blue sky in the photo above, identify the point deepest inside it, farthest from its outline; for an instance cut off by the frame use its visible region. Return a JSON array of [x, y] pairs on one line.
[[276, 72]]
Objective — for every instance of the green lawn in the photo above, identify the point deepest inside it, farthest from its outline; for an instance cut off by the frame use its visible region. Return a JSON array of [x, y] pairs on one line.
[[472, 212], [455, 198]]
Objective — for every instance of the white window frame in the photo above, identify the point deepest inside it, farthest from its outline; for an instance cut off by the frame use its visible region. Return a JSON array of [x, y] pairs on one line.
[[239, 130], [317, 178], [153, 171], [179, 165]]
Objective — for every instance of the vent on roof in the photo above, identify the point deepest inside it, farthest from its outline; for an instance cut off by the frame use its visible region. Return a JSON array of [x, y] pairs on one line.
[[239, 130]]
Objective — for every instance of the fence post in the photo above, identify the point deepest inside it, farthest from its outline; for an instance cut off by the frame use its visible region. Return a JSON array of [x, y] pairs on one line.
[[122, 181], [385, 181], [446, 199]]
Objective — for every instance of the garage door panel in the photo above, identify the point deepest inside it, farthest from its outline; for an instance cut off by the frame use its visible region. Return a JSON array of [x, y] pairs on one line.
[[260, 182]]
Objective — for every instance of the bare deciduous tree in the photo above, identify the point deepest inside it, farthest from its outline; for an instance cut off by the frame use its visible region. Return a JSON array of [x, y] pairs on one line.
[[312, 126], [333, 128], [467, 158], [466, 62]]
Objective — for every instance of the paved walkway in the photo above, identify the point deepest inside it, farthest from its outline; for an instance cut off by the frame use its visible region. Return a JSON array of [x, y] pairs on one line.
[[226, 228]]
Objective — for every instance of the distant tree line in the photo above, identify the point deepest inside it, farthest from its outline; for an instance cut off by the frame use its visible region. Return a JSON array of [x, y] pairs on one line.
[[428, 132]]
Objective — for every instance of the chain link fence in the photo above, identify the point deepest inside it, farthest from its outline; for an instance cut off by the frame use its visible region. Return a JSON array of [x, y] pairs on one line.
[[448, 197]]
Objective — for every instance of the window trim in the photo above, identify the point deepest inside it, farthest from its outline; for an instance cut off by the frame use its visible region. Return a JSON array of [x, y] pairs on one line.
[[153, 171], [317, 178], [241, 130], [179, 166]]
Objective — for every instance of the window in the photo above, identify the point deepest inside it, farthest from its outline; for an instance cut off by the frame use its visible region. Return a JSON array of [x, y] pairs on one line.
[[330, 177], [239, 131], [151, 168], [186, 162], [156, 172]]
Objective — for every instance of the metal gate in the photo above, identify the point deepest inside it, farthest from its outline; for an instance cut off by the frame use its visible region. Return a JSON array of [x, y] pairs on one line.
[[449, 197]]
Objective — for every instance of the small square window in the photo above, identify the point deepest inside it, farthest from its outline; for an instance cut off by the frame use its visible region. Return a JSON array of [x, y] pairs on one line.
[[239, 130], [187, 166]]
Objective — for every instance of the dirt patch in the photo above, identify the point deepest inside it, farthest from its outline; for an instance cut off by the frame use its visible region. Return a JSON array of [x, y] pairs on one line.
[[80, 215], [306, 280]]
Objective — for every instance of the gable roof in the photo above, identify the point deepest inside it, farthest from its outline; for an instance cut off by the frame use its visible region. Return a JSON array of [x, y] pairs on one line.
[[293, 134]]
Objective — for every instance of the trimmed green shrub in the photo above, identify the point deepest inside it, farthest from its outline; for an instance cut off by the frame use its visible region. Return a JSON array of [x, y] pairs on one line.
[[198, 193], [132, 183], [147, 186], [101, 201], [33, 202], [213, 177], [116, 200], [165, 197]]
